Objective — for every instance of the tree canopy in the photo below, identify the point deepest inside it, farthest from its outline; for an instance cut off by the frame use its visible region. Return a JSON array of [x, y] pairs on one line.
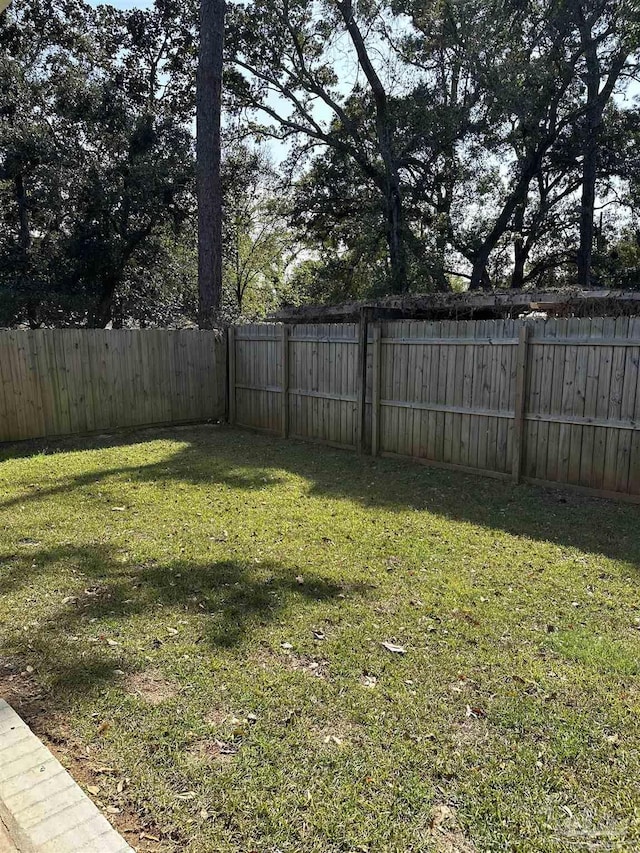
[[367, 149]]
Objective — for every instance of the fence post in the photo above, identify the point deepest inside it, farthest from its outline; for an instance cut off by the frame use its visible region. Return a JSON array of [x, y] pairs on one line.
[[520, 401], [284, 380], [375, 390], [231, 357], [361, 379]]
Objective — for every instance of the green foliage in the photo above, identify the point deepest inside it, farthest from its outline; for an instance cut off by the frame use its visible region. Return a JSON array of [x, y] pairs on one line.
[[96, 159], [420, 146], [257, 246], [477, 114]]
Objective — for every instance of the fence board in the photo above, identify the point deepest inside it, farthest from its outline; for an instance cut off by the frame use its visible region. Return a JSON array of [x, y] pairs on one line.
[[56, 382]]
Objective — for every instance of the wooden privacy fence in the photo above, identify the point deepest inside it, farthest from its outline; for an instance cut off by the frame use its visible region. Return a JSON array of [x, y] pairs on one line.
[[550, 402], [553, 401], [66, 381]]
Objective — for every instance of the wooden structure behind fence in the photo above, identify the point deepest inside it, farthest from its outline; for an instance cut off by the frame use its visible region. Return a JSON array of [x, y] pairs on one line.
[[65, 381], [553, 401]]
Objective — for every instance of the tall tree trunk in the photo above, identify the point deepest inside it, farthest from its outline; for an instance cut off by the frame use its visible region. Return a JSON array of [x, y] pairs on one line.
[[209, 183], [600, 83], [587, 205], [396, 237], [517, 198], [24, 241], [102, 313], [23, 217], [520, 250], [590, 145]]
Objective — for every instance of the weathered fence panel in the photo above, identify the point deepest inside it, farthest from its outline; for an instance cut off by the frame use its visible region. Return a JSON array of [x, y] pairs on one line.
[[447, 392], [57, 382], [301, 383], [583, 406], [255, 360], [552, 401]]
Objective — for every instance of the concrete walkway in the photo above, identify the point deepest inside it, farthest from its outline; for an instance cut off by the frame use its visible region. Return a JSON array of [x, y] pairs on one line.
[[42, 810]]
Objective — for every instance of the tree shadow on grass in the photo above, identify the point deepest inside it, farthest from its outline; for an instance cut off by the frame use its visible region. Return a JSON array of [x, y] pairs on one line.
[[84, 641], [243, 460]]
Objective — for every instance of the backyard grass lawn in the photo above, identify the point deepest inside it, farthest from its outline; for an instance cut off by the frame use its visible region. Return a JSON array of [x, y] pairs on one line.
[[194, 620]]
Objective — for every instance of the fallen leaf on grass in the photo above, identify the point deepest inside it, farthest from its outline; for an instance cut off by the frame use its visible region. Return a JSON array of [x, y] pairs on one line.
[[93, 789], [186, 795], [476, 712], [391, 647], [104, 727], [113, 810]]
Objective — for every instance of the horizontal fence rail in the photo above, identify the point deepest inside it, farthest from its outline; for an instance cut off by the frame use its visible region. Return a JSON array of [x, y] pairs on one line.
[[551, 401], [56, 382]]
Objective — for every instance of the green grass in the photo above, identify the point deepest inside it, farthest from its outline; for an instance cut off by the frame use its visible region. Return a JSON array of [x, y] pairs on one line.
[[165, 593]]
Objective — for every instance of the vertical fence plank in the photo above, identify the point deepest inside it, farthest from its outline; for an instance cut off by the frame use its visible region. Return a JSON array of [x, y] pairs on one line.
[[284, 380], [361, 381], [519, 402], [375, 390], [231, 361]]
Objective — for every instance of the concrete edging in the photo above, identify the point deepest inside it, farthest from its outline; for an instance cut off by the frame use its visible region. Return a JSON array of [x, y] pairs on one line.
[[42, 807]]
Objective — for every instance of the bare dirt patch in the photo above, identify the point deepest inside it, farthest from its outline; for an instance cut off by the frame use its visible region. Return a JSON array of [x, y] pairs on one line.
[[470, 732], [446, 832], [21, 690], [287, 659], [213, 750], [151, 686]]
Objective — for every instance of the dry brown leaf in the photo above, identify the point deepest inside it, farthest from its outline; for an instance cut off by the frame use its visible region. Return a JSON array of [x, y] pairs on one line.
[[391, 647]]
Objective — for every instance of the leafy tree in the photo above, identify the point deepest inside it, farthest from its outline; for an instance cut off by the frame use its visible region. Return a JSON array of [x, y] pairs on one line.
[[257, 246], [96, 154]]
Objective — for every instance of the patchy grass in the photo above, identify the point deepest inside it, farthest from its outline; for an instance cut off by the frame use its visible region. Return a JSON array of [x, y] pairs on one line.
[[193, 620]]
